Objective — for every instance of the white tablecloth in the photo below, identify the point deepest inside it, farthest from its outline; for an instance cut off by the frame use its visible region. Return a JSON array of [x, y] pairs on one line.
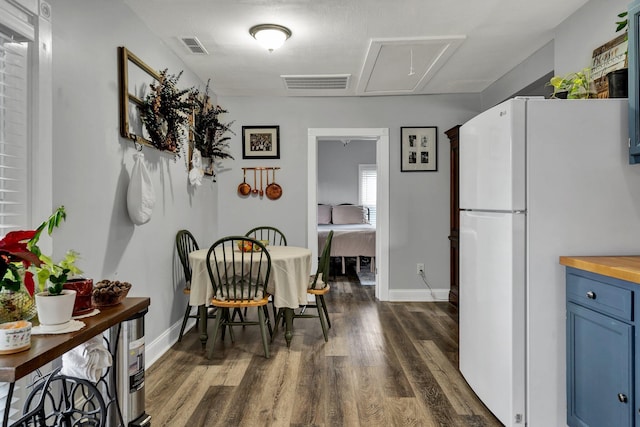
[[290, 270]]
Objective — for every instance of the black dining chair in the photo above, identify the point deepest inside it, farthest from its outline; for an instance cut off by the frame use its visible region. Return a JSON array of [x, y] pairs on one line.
[[265, 232], [239, 280], [185, 243], [318, 287]]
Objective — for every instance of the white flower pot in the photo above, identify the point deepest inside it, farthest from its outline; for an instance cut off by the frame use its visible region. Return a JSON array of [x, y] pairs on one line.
[[55, 310]]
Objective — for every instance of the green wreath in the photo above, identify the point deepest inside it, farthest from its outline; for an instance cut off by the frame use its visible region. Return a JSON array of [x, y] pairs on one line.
[[208, 131], [165, 112]]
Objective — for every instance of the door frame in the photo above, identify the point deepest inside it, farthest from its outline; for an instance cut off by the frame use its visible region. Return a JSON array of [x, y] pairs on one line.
[[381, 137]]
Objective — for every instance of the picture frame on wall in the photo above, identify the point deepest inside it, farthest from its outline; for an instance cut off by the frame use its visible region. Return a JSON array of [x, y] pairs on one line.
[[260, 142], [419, 149]]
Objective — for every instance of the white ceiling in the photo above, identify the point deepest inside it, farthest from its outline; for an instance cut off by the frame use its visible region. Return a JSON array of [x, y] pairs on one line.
[[455, 46]]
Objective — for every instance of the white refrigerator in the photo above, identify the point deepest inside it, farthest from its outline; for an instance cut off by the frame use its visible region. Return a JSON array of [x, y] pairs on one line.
[[538, 179]]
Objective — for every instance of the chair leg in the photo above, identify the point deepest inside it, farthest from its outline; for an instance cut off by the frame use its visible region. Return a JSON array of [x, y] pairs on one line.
[[324, 308], [212, 340], [268, 320], [323, 323], [228, 319], [263, 332], [187, 312]]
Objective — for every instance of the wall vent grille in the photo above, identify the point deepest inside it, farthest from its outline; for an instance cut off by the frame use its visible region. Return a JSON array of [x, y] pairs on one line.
[[324, 81], [194, 45]]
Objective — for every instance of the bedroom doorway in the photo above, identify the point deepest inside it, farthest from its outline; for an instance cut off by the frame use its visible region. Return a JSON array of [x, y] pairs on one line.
[[380, 137]]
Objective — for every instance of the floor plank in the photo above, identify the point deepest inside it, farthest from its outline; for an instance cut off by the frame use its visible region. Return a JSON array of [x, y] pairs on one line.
[[386, 364]]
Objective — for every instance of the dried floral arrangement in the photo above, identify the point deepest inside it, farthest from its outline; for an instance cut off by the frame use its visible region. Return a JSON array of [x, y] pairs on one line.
[[208, 131], [165, 112]]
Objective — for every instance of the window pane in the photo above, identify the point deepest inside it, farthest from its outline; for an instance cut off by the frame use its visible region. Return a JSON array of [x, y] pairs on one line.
[[368, 188], [13, 133]]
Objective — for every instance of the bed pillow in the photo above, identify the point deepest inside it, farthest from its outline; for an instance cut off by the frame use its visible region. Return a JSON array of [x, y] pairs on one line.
[[349, 214], [324, 214]]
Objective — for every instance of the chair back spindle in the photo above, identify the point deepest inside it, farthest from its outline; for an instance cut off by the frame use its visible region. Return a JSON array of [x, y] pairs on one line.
[[265, 232]]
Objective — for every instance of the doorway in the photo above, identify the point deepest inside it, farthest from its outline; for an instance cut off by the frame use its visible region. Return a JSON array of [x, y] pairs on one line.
[[379, 136]]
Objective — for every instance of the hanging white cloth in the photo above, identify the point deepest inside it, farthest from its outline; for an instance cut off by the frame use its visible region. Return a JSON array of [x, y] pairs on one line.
[[196, 173], [140, 195]]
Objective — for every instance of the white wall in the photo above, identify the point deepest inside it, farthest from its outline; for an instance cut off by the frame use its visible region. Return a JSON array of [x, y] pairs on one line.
[[521, 76], [338, 180], [419, 205], [92, 162]]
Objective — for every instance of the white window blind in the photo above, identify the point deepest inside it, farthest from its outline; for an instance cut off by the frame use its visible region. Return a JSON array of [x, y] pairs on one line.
[[14, 132], [368, 187]]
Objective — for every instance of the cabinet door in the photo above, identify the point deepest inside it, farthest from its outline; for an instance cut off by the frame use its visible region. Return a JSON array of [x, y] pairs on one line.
[[599, 369]]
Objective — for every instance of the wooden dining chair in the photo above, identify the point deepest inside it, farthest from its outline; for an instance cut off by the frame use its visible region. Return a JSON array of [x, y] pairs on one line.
[[318, 287], [239, 280], [185, 243], [265, 232]]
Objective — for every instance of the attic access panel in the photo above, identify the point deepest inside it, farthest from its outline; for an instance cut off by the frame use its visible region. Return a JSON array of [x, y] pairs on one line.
[[405, 65]]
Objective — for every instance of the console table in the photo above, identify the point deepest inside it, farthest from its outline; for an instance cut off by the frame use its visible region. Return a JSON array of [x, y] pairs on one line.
[[46, 348]]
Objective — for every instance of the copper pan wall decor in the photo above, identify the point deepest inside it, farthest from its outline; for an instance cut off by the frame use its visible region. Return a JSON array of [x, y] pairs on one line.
[[272, 190]]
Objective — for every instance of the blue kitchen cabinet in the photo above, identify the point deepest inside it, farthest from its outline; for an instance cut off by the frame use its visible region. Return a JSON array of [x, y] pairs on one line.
[[634, 80], [600, 350]]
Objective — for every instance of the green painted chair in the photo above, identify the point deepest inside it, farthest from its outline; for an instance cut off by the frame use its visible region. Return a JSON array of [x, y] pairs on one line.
[[275, 238], [272, 234], [239, 280], [185, 243], [319, 287]]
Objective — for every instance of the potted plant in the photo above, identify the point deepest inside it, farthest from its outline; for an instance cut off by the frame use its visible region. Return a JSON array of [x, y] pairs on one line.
[[22, 263], [576, 85], [617, 80], [16, 284], [54, 303]]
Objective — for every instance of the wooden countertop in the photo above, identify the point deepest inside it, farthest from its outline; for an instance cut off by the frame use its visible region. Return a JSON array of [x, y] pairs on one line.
[[45, 348], [619, 267]]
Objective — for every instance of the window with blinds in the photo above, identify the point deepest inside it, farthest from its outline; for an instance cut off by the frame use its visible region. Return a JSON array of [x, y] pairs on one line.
[[368, 189], [14, 130]]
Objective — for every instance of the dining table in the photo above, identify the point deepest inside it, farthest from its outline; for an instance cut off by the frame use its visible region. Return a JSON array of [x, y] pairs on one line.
[[288, 283]]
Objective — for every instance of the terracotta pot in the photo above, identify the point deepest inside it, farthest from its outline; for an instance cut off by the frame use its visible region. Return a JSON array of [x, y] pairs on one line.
[[83, 288]]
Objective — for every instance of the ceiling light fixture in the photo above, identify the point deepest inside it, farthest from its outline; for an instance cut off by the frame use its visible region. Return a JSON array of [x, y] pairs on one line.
[[271, 36]]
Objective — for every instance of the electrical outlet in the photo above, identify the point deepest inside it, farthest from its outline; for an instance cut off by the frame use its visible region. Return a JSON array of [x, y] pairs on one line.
[[420, 269]]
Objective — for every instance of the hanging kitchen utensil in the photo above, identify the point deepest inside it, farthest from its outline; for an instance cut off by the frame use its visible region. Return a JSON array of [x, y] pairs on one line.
[[261, 191], [244, 188], [255, 188], [274, 191]]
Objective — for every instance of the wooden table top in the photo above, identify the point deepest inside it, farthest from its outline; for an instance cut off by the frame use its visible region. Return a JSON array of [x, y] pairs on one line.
[[619, 267], [45, 348]]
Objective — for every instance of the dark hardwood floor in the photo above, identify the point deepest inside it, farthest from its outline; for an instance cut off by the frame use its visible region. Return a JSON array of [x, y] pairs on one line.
[[386, 364]]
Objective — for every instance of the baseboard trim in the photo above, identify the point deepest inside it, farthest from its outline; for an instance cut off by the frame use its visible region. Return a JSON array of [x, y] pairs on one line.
[[418, 295], [155, 349]]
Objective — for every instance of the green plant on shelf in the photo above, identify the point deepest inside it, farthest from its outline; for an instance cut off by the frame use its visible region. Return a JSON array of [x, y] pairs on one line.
[[576, 85]]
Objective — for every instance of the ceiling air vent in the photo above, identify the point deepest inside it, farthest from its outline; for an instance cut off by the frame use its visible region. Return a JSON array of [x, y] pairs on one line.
[[321, 81], [194, 45]]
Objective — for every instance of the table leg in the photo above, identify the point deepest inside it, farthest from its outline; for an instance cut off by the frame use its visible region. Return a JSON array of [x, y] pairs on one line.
[[202, 324], [288, 325], [7, 405]]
